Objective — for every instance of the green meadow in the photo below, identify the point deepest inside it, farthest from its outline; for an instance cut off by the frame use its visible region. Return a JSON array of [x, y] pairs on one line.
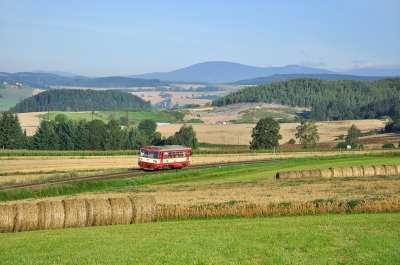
[[320, 239]]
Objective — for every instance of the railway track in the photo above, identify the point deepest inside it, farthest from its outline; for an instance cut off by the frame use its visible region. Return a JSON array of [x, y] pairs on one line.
[[135, 173]]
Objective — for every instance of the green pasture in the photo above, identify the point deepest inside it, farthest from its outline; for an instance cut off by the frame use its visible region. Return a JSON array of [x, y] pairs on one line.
[[318, 239], [6, 104]]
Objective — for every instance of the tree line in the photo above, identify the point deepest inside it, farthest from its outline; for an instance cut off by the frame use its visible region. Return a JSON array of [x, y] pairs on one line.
[[65, 134], [340, 100], [80, 100]]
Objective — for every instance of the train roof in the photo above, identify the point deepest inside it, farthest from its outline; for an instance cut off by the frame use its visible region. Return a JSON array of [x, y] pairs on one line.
[[167, 147]]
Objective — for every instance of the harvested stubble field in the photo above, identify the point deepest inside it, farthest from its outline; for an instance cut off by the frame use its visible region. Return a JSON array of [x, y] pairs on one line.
[[240, 134]]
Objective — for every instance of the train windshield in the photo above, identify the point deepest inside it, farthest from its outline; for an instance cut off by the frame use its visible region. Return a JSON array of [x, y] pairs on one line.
[[148, 153]]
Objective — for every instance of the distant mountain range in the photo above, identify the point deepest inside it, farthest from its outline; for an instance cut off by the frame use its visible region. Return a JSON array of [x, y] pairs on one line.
[[217, 72], [227, 72], [65, 74]]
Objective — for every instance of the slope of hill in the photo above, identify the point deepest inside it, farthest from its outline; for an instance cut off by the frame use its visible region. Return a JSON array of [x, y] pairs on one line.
[[45, 80], [325, 77], [66, 74], [80, 100], [342, 100], [226, 72]]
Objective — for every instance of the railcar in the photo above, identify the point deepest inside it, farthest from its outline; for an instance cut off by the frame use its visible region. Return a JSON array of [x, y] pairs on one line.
[[164, 157]]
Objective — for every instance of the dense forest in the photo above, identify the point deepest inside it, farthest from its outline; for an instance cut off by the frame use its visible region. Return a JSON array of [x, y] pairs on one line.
[[80, 100], [340, 100], [325, 77], [65, 134], [44, 80]]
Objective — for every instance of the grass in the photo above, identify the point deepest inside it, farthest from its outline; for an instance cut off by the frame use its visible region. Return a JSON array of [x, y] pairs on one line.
[[321, 239]]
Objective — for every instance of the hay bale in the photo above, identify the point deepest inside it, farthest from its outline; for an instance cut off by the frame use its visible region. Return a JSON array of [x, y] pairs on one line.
[[7, 218], [75, 213], [397, 167], [283, 175], [390, 170], [305, 174], [51, 215], [27, 217], [368, 171], [121, 211], [357, 171], [347, 172], [98, 212], [295, 174], [379, 170], [326, 173], [336, 172], [315, 173], [144, 208]]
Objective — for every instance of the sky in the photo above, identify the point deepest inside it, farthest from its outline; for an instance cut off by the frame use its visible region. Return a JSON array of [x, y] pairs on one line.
[[120, 38]]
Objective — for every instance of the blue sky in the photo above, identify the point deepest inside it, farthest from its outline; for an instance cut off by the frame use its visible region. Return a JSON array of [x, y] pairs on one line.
[[109, 38]]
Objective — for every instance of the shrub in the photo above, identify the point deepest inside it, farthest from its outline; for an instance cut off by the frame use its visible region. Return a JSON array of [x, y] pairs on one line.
[[292, 141], [388, 146]]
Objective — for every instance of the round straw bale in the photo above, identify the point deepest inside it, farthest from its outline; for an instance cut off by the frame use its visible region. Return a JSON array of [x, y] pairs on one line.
[[315, 173], [336, 172], [283, 175], [305, 174], [368, 171], [397, 167], [27, 217], [357, 171], [347, 172], [121, 211], [144, 209], [295, 174], [390, 170], [379, 170], [75, 213], [7, 218], [326, 173], [98, 212], [51, 215]]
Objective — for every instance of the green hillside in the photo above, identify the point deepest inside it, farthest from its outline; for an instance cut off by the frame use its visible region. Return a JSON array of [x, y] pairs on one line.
[[333, 100], [80, 100]]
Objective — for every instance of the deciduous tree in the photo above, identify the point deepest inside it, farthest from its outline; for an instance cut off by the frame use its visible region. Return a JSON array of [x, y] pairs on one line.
[[307, 133], [265, 134]]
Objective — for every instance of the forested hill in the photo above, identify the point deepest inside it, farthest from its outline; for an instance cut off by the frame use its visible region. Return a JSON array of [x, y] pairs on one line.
[[325, 77], [80, 100], [45, 80], [331, 100]]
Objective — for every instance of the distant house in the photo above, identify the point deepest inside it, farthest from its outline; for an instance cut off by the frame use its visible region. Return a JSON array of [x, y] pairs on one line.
[[4, 83]]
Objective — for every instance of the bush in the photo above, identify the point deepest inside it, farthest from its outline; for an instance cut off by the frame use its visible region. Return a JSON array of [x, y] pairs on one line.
[[388, 146], [292, 141]]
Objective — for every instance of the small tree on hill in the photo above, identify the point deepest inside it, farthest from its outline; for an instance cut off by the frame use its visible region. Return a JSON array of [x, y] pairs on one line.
[[352, 136], [265, 134], [186, 136], [307, 132]]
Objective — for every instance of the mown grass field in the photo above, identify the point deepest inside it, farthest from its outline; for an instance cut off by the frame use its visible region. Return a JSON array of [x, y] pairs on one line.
[[321, 239]]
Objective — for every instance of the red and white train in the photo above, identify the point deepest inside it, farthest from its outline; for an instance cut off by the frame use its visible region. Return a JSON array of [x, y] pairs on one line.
[[164, 157]]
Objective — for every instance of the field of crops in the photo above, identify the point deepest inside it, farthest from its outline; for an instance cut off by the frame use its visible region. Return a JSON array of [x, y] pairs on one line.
[[238, 214]]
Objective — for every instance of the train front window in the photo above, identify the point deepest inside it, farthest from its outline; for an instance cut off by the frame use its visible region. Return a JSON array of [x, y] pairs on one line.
[[144, 152], [153, 154]]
